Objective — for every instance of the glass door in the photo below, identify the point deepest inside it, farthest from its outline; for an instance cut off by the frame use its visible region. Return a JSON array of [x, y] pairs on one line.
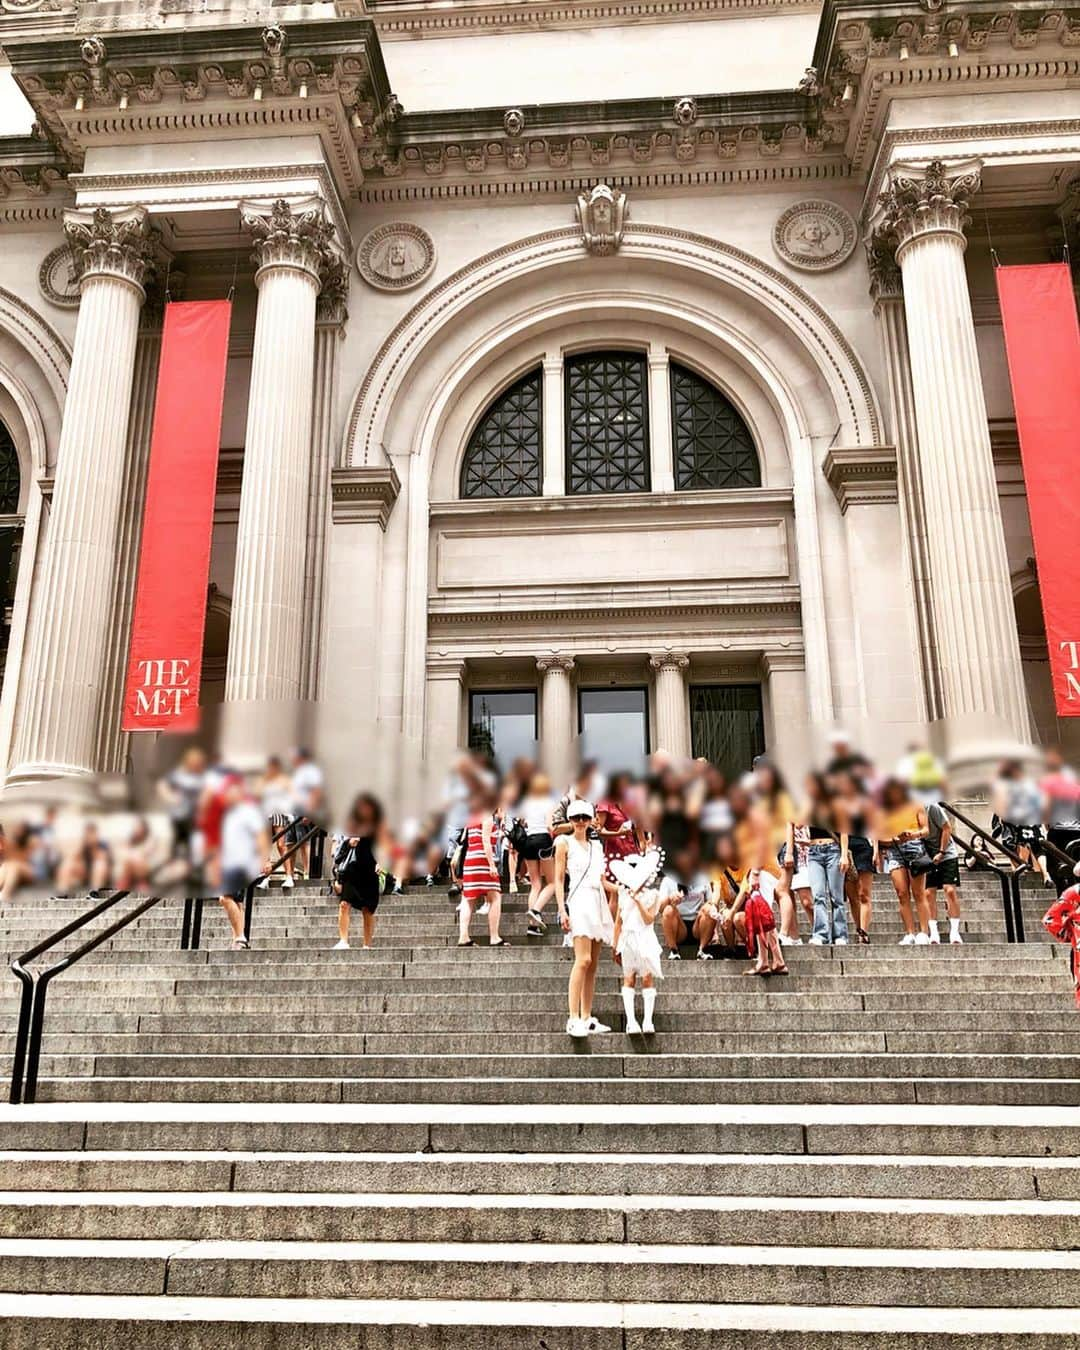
[[502, 723], [614, 727], [727, 726]]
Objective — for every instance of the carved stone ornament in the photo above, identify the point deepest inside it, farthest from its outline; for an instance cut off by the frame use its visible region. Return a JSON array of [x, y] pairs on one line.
[[513, 121], [930, 200], [810, 84], [684, 114], [58, 278], [111, 243], [602, 216], [396, 257], [288, 234], [815, 236], [26, 6]]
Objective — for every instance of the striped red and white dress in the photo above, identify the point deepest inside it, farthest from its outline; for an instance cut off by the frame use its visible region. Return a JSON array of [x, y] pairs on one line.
[[477, 877]]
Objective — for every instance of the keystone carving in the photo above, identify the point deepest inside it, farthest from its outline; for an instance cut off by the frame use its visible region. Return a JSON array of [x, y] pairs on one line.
[[602, 215]]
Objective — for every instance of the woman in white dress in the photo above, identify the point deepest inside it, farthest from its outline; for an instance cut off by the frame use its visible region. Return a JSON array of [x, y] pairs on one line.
[[584, 912], [637, 951]]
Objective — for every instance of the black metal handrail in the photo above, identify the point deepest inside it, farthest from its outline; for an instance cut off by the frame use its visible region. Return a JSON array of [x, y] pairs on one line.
[[978, 848], [28, 1033], [191, 927]]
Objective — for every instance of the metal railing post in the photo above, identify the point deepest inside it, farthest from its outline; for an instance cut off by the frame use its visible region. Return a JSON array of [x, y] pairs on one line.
[[1018, 908], [185, 930], [1007, 907], [249, 909], [22, 1033], [37, 1030], [196, 923], [318, 845]]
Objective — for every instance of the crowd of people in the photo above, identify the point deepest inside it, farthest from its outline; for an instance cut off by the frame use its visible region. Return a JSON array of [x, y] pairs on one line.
[[676, 863]]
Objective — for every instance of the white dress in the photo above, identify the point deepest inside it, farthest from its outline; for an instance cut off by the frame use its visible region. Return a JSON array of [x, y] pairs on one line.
[[587, 905], [638, 946]]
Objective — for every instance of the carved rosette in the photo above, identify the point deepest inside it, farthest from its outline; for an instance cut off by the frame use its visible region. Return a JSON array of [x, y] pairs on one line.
[[295, 235], [117, 244], [922, 201]]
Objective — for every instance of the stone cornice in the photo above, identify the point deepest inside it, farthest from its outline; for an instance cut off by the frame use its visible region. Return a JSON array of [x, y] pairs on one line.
[[364, 494], [397, 19], [862, 475], [756, 502]]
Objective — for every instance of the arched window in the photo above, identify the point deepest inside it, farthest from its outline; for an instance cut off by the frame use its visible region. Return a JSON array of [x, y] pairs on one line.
[[607, 423], [505, 451], [10, 482], [712, 446]]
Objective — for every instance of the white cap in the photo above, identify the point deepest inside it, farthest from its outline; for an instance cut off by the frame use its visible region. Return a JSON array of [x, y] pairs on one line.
[[579, 807]]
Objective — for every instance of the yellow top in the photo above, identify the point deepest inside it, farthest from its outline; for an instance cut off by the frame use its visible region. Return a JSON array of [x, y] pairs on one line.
[[904, 820]]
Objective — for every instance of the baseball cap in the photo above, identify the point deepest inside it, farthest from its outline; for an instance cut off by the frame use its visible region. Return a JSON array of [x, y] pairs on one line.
[[578, 808]]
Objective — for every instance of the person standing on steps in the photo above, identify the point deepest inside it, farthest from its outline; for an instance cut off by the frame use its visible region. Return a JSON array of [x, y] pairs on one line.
[[308, 802], [480, 885], [858, 806], [359, 883], [903, 841], [276, 794], [245, 841], [583, 912], [826, 824], [945, 873], [538, 852], [637, 953]]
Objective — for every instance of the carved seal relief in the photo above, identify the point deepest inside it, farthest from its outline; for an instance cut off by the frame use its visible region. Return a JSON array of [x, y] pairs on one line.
[[58, 279], [395, 257], [815, 236]]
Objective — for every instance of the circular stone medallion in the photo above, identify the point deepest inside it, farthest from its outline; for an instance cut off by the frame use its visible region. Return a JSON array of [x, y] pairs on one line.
[[395, 257], [57, 280], [815, 236]]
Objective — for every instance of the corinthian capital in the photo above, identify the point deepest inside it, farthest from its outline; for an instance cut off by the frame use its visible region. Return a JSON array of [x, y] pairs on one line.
[[677, 661], [291, 234], [556, 663], [922, 200], [111, 243]]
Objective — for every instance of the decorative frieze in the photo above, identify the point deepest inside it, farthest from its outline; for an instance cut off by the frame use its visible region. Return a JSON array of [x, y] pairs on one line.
[[111, 243]]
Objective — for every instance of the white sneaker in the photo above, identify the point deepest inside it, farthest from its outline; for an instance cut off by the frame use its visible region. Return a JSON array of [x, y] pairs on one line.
[[341, 946], [922, 939], [263, 885], [956, 940], [577, 1027], [674, 954], [786, 941], [633, 1027], [567, 941], [484, 908], [935, 936], [704, 956], [596, 1027], [908, 940], [840, 942], [647, 1027], [287, 884], [818, 942]]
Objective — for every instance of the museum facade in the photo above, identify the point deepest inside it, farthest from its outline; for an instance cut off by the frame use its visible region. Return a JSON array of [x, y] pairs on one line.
[[553, 416]]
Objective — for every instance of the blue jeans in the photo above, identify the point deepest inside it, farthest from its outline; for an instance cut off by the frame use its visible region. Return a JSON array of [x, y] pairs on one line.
[[827, 883]]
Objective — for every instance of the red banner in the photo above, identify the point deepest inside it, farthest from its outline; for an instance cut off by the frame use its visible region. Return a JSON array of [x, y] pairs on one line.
[[1042, 340], [165, 662]]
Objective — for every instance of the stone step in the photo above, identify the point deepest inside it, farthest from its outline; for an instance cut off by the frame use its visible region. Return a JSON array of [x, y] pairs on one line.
[[971, 1131], [887, 1176], [735, 1274], [757, 1220], [104, 1322], [492, 1090]]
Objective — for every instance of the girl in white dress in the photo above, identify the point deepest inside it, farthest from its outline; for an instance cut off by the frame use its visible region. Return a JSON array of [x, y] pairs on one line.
[[584, 913], [637, 951]]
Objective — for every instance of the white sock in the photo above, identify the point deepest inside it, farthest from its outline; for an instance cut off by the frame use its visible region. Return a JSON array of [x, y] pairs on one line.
[[648, 999], [954, 927], [628, 1004]]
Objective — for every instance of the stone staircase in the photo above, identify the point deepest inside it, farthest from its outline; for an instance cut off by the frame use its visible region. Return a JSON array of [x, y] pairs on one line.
[[302, 1149]]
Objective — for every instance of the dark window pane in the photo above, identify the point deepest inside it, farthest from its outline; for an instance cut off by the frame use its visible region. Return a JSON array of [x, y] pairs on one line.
[[9, 474], [713, 447], [502, 723], [726, 725], [614, 727], [607, 423], [504, 454]]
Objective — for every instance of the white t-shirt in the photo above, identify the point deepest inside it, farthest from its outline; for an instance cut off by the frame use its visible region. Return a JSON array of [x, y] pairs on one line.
[[536, 812], [241, 827], [690, 902], [307, 779]]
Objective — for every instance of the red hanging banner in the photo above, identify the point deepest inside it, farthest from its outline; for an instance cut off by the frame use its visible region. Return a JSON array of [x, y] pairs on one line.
[[165, 662], [1042, 340]]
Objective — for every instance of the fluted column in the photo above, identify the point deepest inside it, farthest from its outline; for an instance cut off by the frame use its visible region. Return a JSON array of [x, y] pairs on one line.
[[266, 632], [556, 718], [888, 295], [57, 735], [983, 701], [672, 707]]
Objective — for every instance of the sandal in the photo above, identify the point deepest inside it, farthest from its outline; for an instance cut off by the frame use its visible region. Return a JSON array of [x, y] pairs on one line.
[[863, 936], [470, 943], [502, 942]]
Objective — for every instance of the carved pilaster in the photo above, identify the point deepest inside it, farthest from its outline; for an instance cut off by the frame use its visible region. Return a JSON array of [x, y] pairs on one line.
[[116, 244]]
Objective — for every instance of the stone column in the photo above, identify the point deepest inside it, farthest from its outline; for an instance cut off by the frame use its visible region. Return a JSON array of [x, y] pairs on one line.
[[983, 702], [672, 707], [663, 454], [446, 732], [788, 726], [57, 734], [556, 718], [266, 633], [554, 484], [887, 292]]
